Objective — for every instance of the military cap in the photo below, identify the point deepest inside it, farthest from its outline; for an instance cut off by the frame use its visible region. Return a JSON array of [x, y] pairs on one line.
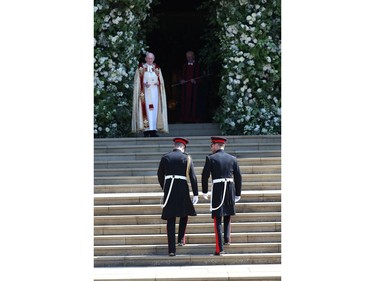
[[181, 140], [218, 140]]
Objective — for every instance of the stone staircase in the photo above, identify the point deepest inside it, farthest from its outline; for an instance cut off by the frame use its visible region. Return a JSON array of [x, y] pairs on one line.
[[194, 129], [128, 230]]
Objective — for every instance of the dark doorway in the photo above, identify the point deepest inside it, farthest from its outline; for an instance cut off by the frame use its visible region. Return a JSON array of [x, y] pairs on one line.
[[180, 26]]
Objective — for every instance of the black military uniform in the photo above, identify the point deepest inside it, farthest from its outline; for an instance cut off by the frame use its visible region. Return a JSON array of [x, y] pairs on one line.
[[226, 187], [172, 178]]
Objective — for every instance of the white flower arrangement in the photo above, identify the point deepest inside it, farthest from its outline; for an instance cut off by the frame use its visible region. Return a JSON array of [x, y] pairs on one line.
[[117, 47], [251, 48]]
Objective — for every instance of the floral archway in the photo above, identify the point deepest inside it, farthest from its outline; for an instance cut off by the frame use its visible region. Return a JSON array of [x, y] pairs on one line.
[[248, 48]]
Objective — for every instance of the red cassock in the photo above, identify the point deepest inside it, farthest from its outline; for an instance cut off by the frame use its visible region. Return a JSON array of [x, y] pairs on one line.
[[189, 93]]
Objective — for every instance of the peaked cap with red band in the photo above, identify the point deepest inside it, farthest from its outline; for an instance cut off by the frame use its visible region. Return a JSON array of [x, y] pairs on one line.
[[181, 140], [218, 140]]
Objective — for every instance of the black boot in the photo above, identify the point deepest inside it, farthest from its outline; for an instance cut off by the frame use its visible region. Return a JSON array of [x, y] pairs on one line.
[[153, 134], [146, 134]]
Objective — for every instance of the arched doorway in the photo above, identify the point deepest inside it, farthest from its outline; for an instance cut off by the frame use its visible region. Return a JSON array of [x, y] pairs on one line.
[[179, 28]]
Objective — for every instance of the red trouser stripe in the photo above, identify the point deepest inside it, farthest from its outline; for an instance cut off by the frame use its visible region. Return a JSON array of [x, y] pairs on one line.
[[216, 236], [183, 239]]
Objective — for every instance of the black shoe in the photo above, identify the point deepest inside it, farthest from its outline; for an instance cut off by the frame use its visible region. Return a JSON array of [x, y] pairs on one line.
[[146, 134], [153, 134], [172, 254]]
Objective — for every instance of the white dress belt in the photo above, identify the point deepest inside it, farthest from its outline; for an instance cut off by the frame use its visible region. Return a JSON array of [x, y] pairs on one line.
[[173, 177], [224, 180]]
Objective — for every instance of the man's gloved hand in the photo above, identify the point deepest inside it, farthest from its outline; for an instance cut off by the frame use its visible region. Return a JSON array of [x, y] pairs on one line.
[[237, 198], [195, 200], [205, 196]]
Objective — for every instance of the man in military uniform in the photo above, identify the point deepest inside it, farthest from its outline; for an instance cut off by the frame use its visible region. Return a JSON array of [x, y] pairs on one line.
[[226, 189], [174, 170]]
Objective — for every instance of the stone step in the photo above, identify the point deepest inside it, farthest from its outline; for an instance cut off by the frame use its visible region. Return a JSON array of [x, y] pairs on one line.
[[141, 156], [252, 272], [197, 163], [194, 149], [129, 172], [200, 218], [191, 228], [193, 249], [190, 238], [188, 130], [188, 260], [154, 198], [106, 210], [194, 129], [155, 187], [153, 179], [193, 140]]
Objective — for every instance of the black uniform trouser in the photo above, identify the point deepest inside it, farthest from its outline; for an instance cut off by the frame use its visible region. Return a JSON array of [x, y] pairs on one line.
[[171, 233], [218, 232]]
